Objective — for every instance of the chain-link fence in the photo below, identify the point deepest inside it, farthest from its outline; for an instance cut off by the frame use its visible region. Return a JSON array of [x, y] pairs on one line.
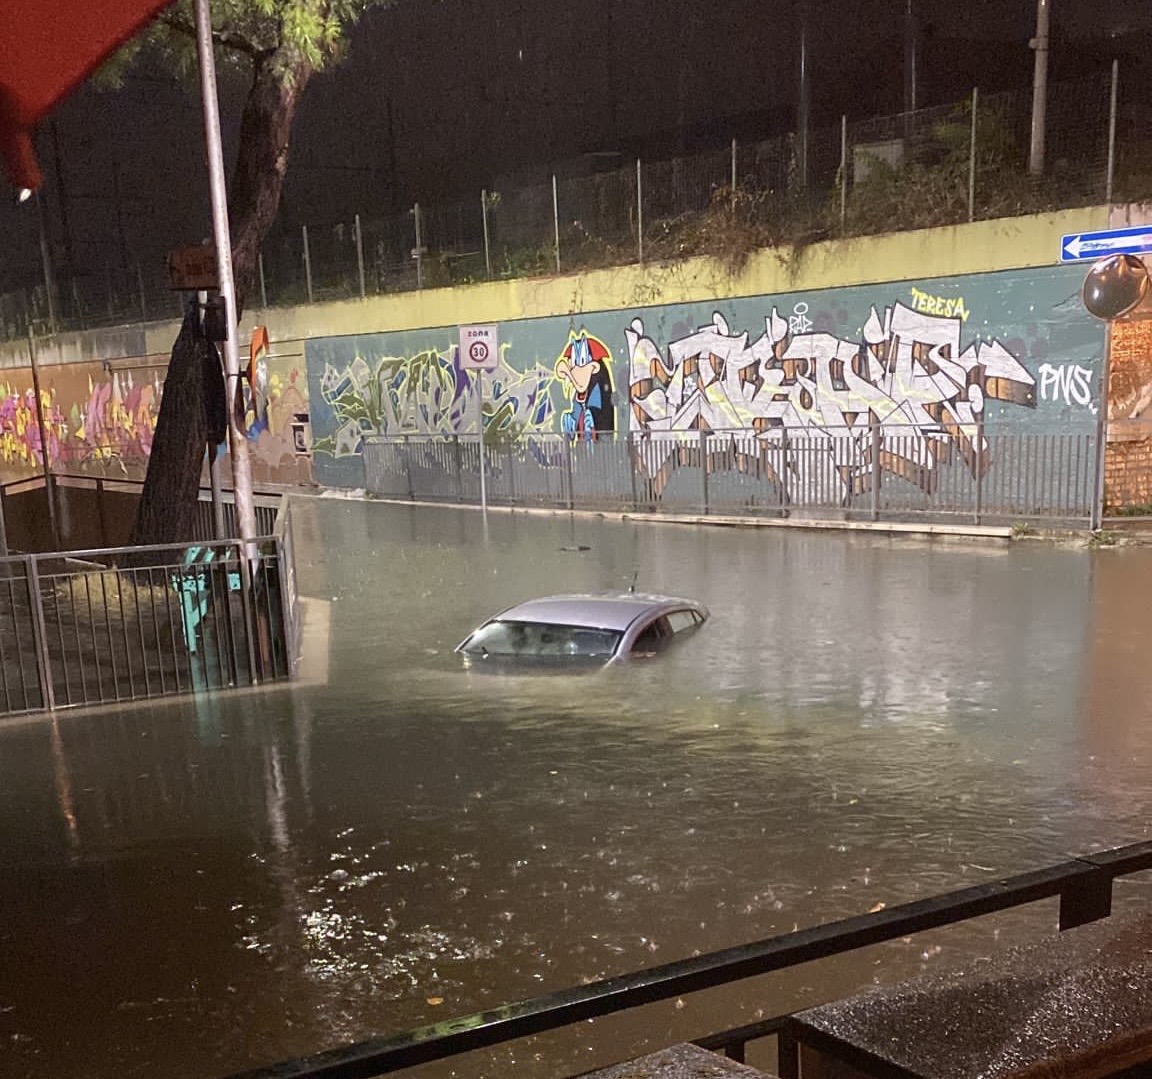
[[937, 166]]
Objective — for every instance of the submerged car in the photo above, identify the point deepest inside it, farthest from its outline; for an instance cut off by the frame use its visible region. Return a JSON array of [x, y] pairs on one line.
[[597, 628]]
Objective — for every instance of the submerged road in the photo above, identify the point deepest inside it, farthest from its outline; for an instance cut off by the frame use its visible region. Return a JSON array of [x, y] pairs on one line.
[[195, 887]]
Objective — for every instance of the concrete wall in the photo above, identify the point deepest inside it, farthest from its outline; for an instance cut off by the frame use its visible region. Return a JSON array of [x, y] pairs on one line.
[[964, 287]]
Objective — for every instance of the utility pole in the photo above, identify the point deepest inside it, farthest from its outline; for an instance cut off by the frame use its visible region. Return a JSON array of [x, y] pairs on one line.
[[238, 441], [1039, 88]]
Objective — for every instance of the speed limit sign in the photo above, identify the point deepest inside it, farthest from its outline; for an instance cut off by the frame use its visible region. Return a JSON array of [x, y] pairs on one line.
[[479, 348]]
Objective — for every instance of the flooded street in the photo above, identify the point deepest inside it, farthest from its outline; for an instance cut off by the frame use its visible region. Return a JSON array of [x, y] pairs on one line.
[[192, 888]]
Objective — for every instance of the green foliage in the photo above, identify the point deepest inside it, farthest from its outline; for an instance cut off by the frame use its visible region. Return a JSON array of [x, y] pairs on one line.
[[246, 32], [1103, 538], [1021, 529]]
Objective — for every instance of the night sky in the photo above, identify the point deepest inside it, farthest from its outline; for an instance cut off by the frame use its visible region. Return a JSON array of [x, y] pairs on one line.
[[439, 98]]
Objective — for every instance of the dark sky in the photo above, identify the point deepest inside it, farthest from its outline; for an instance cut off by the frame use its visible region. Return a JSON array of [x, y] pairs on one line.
[[439, 98]]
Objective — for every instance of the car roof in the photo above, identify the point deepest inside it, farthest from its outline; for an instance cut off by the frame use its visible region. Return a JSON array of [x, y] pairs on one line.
[[596, 610]]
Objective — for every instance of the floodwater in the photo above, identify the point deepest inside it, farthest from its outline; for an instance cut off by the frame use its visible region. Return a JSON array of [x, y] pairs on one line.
[[193, 888]]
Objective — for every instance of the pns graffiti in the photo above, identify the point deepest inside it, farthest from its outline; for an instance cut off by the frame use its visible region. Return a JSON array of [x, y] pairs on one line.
[[909, 375], [427, 394], [1068, 382]]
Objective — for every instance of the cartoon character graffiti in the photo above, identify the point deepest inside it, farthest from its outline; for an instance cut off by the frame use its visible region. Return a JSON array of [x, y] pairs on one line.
[[586, 365]]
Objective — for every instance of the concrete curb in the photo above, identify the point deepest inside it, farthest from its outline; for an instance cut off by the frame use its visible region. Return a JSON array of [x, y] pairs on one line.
[[816, 524]]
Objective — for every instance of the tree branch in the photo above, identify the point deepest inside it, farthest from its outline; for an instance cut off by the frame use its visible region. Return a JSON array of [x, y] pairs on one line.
[[229, 39]]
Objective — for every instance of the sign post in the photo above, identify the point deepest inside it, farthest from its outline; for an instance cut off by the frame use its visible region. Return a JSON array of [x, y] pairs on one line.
[[479, 352]]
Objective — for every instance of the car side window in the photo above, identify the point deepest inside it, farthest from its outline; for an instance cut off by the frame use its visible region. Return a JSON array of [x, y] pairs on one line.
[[653, 637], [682, 620]]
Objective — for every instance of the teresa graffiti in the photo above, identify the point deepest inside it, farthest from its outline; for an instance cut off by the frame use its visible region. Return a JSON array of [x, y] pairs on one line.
[[426, 394], [585, 367], [909, 375]]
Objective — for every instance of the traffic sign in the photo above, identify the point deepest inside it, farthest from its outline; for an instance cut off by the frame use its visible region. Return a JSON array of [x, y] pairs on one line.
[[192, 269], [479, 348], [1085, 246]]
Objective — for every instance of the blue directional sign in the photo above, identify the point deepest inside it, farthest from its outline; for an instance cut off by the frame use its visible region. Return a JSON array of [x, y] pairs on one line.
[[1085, 246]]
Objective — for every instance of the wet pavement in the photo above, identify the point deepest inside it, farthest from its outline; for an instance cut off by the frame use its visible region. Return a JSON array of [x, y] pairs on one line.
[[191, 888]]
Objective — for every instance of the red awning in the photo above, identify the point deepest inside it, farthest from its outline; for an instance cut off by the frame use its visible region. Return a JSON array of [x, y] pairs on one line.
[[47, 48]]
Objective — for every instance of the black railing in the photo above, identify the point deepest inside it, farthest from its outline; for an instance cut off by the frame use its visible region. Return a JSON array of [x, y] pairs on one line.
[[1083, 885]]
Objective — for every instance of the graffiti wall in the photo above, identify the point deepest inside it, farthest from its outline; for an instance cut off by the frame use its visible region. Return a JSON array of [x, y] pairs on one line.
[[941, 363], [97, 419]]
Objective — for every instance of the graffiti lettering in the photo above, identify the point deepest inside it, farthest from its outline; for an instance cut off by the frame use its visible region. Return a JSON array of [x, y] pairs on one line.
[[909, 376], [1068, 382], [426, 394], [947, 307]]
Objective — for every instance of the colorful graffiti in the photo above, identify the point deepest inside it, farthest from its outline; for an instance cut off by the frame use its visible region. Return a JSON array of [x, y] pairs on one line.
[[585, 367], [427, 394], [276, 416], [112, 423], [908, 375]]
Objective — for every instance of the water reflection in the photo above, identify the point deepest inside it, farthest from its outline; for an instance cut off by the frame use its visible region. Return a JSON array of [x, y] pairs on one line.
[[195, 888]]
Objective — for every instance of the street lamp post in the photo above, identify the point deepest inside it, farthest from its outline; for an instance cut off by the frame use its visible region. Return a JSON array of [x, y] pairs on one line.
[[238, 442]]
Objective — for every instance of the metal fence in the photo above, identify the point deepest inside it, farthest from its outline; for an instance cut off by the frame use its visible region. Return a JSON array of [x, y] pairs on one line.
[[879, 473], [943, 165], [122, 624]]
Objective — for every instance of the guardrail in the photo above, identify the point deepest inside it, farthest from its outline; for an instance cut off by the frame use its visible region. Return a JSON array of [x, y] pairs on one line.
[[1083, 885], [128, 623], [875, 473]]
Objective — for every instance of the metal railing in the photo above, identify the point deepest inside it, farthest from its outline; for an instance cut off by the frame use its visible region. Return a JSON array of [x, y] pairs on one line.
[[129, 623], [947, 164], [1083, 885], [878, 473]]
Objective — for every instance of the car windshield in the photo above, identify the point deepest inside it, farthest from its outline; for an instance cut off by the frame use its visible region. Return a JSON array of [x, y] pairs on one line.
[[501, 638]]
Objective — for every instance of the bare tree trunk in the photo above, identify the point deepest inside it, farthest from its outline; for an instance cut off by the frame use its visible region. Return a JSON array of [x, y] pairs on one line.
[[191, 418], [262, 162]]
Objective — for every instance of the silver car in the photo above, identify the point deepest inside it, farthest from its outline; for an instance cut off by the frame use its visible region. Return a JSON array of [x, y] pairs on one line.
[[598, 628]]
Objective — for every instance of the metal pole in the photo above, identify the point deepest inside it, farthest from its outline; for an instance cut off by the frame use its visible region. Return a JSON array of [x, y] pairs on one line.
[[45, 461], [704, 468], [263, 285], [40, 631], [1112, 131], [911, 35], [1096, 518], [979, 512], [307, 261], [46, 263], [480, 414], [143, 296], [556, 220], [1039, 88], [487, 242], [803, 104], [639, 212], [360, 257], [241, 465], [218, 524], [418, 253], [876, 469], [972, 156], [843, 172]]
